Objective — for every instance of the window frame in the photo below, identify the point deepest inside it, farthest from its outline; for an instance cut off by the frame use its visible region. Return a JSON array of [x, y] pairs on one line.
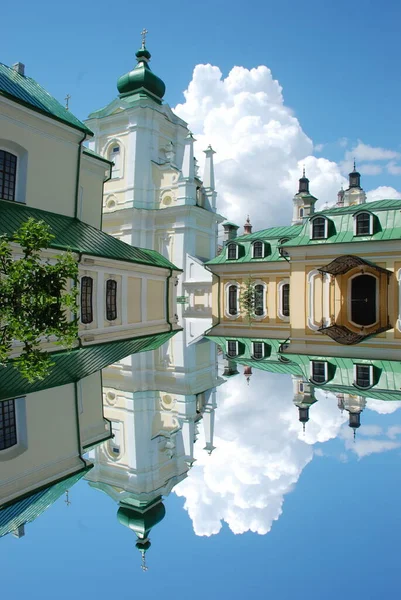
[[263, 248], [87, 306], [111, 300], [8, 413], [7, 155], [362, 214], [326, 371], [313, 224], [282, 284], [228, 314], [262, 285], [263, 354], [371, 376], [229, 246], [230, 354]]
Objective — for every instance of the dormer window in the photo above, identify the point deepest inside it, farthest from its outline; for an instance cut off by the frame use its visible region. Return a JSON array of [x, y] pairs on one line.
[[319, 371], [363, 223], [258, 250], [319, 228], [232, 251], [363, 376], [258, 350], [232, 348]]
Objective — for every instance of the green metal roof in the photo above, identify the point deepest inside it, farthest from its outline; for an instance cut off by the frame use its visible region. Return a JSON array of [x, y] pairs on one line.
[[271, 237], [90, 152], [271, 362], [73, 365], [29, 508], [72, 234], [28, 92], [341, 224]]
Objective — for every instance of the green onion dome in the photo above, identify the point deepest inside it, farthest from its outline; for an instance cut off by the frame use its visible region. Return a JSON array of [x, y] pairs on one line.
[[141, 80], [141, 522]]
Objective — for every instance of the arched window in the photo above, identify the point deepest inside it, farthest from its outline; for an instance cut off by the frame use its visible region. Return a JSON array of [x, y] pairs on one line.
[[258, 350], [259, 300], [319, 371], [233, 300], [232, 251], [8, 424], [232, 348], [8, 175], [363, 224], [363, 376], [115, 157], [258, 249], [319, 228], [285, 299], [364, 309], [301, 212], [111, 300], [86, 299]]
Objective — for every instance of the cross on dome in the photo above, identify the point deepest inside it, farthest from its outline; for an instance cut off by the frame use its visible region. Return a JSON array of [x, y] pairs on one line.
[[143, 34]]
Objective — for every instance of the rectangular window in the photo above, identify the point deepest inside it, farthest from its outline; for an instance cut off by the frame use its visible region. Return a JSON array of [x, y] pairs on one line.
[[319, 371], [285, 299], [8, 425], [232, 348], [318, 228], [259, 300], [363, 224], [232, 251], [111, 300], [258, 250], [232, 300], [363, 375], [258, 350], [86, 299], [8, 174]]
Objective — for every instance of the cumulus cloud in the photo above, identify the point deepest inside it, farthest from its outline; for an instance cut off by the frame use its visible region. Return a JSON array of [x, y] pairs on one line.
[[261, 146], [393, 168], [260, 454], [383, 408]]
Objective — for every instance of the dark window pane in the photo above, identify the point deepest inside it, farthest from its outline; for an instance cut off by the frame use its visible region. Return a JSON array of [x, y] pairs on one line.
[[86, 299], [8, 169], [232, 251], [232, 300], [232, 348], [258, 250], [318, 371], [111, 300], [318, 228], [259, 304], [363, 379], [8, 428], [285, 294], [258, 350], [363, 224]]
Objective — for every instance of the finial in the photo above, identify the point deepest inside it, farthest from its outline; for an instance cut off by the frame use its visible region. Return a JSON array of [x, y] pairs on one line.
[[303, 428], [354, 435], [67, 498], [247, 219], [144, 567], [144, 32], [303, 171], [67, 99], [354, 165]]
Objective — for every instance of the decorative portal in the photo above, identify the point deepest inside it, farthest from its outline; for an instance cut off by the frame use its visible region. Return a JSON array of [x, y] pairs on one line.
[[363, 300], [345, 263]]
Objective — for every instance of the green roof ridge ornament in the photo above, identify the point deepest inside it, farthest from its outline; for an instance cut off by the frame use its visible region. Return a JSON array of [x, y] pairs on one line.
[[141, 80]]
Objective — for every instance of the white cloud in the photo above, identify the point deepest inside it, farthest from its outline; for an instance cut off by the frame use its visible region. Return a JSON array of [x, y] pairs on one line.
[[393, 431], [382, 407], [393, 168], [383, 192], [369, 169], [261, 146], [364, 152]]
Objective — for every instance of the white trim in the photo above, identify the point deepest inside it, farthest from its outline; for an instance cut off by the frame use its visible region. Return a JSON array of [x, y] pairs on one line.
[[326, 227], [236, 348], [349, 299], [21, 174], [231, 243], [107, 151], [263, 249], [370, 376], [226, 299], [356, 215], [326, 279], [326, 371], [263, 350], [280, 286]]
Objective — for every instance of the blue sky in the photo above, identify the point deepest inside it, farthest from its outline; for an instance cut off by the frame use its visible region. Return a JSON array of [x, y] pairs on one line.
[[337, 534], [336, 63]]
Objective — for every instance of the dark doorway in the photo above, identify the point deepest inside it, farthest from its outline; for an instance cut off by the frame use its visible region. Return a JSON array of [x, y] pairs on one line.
[[363, 300]]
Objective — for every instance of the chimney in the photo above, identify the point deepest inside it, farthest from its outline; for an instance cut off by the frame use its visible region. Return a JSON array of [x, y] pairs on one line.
[[230, 232], [19, 67]]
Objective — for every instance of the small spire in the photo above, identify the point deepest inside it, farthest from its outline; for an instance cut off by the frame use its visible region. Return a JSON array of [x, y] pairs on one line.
[[303, 172], [248, 373], [67, 100], [303, 183], [67, 498], [247, 226], [144, 567], [144, 32], [303, 428], [354, 164]]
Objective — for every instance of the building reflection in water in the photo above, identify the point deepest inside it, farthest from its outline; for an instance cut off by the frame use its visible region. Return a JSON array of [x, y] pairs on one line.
[[138, 443]]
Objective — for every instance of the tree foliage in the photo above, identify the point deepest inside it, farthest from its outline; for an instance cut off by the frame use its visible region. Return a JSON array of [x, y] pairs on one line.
[[35, 295], [247, 300]]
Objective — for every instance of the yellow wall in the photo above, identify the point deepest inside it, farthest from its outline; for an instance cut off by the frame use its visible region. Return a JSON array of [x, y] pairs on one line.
[[155, 300], [134, 299]]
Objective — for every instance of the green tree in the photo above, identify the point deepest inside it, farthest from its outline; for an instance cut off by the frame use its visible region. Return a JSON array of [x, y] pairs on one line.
[[247, 300], [35, 295]]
